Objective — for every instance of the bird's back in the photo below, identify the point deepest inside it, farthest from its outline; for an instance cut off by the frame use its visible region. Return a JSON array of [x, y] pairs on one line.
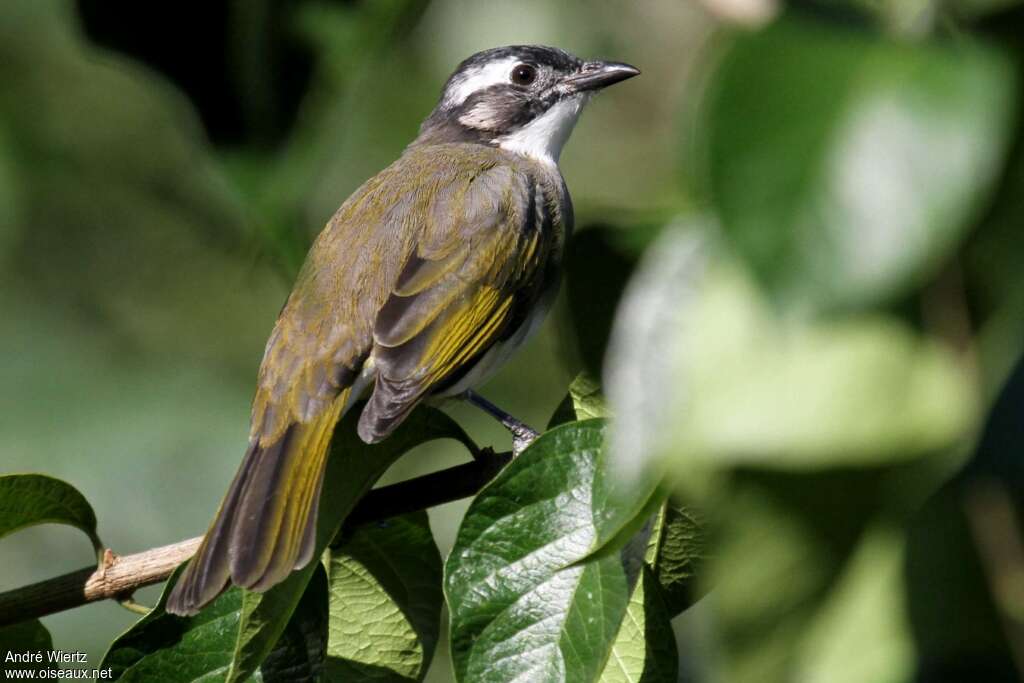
[[434, 202]]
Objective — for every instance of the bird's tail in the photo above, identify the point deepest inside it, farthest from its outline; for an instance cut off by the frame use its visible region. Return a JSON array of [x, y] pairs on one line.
[[266, 525]]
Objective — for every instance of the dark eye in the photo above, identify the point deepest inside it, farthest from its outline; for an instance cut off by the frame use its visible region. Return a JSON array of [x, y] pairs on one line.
[[524, 74]]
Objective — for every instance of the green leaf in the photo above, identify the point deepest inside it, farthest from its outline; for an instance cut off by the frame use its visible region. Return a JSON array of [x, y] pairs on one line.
[[261, 621], [584, 401], [645, 380], [27, 637], [823, 428], [808, 577], [175, 649], [300, 653], [845, 167], [30, 499], [644, 650], [857, 390], [861, 632], [385, 602], [704, 374], [351, 471], [769, 571], [676, 554], [522, 605]]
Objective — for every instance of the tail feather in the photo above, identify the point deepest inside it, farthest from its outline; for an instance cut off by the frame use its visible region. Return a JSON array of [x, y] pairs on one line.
[[308, 546], [268, 534], [209, 571], [266, 526]]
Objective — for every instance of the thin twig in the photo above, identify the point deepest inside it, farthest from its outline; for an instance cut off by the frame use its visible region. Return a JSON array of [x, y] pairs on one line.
[[118, 577], [430, 490]]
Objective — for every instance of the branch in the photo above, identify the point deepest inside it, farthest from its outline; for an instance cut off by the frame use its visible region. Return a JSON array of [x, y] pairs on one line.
[[118, 577]]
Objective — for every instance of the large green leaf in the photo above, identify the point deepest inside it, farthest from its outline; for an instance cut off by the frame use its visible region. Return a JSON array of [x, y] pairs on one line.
[[861, 631], [644, 379], [26, 638], [675, 554], [795, 437], [30, 499], [351, 471], [385, 602], [845, 166], [299, 656], [261, 621], [522, 604], [807, 576], [677, 540], [644, 650], [708, 376], [854, 390], [175, 649]]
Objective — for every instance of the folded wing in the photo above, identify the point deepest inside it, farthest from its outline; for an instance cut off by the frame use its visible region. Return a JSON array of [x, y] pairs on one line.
[[476, 270]]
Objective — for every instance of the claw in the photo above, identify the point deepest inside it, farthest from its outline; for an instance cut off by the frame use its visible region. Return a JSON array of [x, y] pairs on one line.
[[522, 434]]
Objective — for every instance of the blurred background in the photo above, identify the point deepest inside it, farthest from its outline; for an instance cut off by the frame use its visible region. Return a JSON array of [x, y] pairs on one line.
[[163, 168]]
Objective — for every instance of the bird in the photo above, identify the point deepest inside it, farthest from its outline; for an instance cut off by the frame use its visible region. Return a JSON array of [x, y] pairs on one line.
[[419, 287]]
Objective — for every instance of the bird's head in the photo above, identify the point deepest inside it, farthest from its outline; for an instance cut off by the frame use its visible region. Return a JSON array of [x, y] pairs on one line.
[[523, 98]]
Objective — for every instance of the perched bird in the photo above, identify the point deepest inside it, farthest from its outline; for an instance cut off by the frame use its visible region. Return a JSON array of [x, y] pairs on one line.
[[421, 285]]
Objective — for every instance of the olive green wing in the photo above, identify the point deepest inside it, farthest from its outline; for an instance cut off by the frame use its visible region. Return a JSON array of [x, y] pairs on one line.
[[478, 265], [266, 524]]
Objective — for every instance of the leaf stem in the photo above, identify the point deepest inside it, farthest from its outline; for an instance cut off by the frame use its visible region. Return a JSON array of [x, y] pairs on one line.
[[132, 606]]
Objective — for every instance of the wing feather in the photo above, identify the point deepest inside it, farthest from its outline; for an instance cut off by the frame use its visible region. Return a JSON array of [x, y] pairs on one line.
[[458, 292], [325, 330]]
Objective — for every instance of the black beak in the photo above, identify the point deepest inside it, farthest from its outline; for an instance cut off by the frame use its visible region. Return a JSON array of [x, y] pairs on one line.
[[596, 75]]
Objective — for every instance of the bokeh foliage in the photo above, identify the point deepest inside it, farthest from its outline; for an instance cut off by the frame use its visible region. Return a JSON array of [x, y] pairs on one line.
[[796, 274]]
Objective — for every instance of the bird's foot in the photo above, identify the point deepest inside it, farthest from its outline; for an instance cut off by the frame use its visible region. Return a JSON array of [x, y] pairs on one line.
[[522, 434]]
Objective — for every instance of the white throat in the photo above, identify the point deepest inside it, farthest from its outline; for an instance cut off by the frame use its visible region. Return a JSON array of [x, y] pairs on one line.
[[543, 138]]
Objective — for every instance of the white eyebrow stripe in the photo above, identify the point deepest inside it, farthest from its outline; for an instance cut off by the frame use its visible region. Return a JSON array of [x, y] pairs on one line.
[[479, 78]]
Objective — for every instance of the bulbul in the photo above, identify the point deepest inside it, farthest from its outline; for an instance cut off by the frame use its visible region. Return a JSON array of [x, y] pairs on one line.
[[421, 285]]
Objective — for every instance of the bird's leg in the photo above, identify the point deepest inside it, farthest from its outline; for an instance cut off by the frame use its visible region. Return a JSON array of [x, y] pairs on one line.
[[522, 434]]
